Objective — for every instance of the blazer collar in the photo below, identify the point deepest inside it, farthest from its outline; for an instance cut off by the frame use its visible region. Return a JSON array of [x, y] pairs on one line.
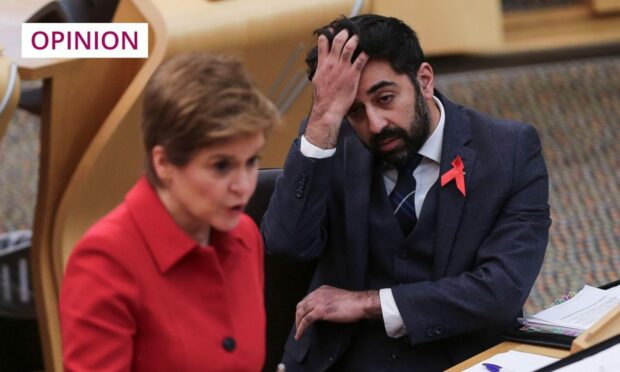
[[167, 243], [457, 135]]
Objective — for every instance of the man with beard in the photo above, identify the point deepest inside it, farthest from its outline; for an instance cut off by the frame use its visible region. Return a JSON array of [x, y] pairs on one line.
[[429, 221]]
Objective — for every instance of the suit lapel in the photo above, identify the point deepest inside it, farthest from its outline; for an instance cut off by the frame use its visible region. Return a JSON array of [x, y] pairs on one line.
[[451, 202], [358, 167]]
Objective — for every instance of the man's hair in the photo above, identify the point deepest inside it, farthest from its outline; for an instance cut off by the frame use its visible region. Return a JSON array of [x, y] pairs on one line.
[[380, 37], [197, 99]]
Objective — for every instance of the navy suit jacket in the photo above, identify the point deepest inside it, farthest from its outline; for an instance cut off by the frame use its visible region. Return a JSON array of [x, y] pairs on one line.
[[489, 245]]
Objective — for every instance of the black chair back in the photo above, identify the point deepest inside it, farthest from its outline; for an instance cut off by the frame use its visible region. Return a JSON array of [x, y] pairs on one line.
[[264, 188], [286, 282], [63, 11]]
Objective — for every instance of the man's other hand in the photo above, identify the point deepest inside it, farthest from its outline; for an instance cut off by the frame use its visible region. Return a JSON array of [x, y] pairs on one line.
[[336, 305]]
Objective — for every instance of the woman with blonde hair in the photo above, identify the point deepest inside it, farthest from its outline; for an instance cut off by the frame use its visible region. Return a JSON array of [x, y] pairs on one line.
[[172, 278]]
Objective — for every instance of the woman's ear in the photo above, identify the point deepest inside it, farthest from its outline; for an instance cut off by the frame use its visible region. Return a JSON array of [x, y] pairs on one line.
[[161, 165], [426, 80]]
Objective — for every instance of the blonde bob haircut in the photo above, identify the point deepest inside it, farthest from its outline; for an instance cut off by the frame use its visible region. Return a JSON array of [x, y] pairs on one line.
[[195, 100]]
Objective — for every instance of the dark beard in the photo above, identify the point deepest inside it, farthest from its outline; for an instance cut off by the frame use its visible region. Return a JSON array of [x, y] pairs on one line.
[[412, 140]]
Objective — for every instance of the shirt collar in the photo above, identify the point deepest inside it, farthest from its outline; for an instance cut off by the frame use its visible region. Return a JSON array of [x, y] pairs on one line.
[[432, 147], [167, 243]]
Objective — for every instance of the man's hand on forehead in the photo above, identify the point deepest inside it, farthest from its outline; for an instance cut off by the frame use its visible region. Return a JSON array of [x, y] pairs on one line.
[[335, 84]]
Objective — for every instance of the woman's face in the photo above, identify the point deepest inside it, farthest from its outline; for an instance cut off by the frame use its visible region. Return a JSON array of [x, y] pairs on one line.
[[214, 187]]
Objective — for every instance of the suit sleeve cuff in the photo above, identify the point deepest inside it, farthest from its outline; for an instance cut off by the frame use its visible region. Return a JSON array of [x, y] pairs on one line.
[[310, 151], [393, 321]]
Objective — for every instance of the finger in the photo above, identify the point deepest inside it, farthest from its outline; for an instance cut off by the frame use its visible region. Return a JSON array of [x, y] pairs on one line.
[[303, 308], [360, 61], [338, 42], [349, 48], [305, 322], [322, 47]]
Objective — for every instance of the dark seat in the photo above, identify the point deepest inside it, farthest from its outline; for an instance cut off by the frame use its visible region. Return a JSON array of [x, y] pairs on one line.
[[260, 200], [286, 282], [61, 11], [20, 349]]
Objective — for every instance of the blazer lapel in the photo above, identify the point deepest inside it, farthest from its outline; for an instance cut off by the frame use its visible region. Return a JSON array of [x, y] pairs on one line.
[[451, 201], [358, 166]]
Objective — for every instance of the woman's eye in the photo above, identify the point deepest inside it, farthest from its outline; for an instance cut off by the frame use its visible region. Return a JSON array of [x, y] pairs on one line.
[[253, 162], [222, 166]]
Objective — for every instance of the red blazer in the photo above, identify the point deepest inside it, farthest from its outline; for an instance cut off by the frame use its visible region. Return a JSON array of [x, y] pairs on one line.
[[139, 294]]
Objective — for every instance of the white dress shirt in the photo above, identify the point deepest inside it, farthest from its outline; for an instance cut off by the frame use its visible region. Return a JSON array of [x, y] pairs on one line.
[[425, 174]]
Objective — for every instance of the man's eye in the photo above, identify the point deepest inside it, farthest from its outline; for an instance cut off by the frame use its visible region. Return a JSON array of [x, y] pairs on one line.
[[354, 111], [387, 98]]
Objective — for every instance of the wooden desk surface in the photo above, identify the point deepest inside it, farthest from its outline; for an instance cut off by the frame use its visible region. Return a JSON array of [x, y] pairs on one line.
[[507, 346]]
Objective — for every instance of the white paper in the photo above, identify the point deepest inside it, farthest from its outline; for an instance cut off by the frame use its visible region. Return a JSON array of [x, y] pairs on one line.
[[604, 361], [581, 311], [614, 291], [515, 361]]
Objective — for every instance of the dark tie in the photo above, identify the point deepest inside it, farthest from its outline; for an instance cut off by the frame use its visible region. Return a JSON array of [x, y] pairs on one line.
[[403, 195]]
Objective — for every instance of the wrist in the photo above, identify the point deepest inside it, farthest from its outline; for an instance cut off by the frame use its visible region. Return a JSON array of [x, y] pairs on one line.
[[322, 130], [372, 305], [325, 115]]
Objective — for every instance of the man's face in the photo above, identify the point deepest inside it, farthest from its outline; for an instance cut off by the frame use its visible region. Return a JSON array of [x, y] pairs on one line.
[[389, 113]]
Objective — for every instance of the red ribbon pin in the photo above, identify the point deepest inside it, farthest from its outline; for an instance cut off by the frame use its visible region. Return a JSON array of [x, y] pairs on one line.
[[456, 174]]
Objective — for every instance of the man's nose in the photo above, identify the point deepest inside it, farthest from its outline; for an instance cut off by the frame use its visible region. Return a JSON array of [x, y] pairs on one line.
[[376, 121]]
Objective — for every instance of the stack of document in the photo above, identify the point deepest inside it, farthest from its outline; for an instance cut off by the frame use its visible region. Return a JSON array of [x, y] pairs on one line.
[[577, 314], [513, 361], [606, 360]]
